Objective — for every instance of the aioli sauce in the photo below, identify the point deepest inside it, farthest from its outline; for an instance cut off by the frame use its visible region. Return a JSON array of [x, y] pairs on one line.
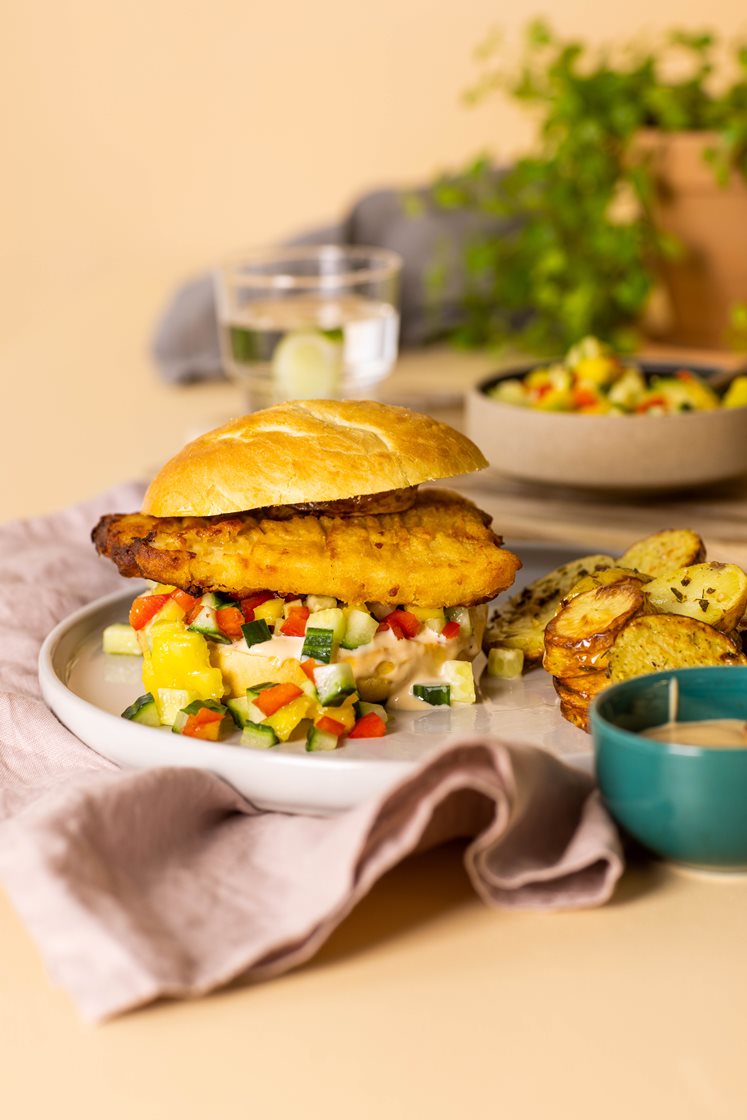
[[720, 733]]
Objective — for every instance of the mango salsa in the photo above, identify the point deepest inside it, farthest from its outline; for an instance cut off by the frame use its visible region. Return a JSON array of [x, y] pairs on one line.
[[591, 379]]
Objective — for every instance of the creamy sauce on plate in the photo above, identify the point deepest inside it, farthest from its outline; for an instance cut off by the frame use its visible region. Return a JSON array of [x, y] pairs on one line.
[[719, 733]]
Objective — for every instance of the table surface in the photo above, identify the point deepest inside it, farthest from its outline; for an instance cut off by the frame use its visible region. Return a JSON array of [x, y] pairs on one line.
[[423, 1001]]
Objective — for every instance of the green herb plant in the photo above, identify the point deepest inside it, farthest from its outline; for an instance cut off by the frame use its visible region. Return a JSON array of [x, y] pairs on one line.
[[580, 257]]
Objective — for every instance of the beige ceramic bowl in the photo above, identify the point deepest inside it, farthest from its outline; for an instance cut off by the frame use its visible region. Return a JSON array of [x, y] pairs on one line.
[[609, 452]]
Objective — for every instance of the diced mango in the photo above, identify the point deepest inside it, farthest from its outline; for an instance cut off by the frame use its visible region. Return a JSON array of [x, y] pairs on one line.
[[270, 611], [736, 394], [179, 658], [169, 612], [285, 720], [345, 714], [424, 613], [600, 370]]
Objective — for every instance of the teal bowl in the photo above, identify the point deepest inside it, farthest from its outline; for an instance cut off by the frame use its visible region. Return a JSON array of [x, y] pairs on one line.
[[687, 804]]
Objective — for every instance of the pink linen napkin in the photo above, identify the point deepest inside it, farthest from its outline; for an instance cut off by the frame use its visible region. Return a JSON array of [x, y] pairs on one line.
[[140, 884]]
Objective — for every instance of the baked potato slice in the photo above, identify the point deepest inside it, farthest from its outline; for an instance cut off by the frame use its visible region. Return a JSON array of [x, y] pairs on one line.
[[653, 642], [579, 637], [714, 593], [603, 578], [577, 714], [520, 624], [664, 552], [582, 688]]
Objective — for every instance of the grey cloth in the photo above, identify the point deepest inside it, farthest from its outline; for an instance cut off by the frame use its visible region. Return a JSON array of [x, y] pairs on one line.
[[185, 342]]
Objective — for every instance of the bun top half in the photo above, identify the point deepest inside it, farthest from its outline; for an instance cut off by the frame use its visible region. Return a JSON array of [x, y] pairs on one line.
[[308, 451]]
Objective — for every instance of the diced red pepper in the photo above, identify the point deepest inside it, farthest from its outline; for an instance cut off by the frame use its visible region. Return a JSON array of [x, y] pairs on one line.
[[685, 375], [308, 667], [247, 605], [145, 608], [450, 630], [202, 724], [230, 620], [584, 398], [369, 726], [652, 402], [294, 625], [402, 623], [270, 700], [193, 612], [409, 624], [184, 599], [333, 726], [390, 623]]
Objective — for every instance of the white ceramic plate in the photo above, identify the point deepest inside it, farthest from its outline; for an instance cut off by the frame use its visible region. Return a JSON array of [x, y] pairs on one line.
[[88, 690]]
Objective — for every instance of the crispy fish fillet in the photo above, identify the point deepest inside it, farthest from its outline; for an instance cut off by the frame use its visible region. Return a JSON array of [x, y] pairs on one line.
[[440, 552]]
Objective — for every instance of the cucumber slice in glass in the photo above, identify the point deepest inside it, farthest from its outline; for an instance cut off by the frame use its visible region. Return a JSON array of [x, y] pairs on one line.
[[307, 364]]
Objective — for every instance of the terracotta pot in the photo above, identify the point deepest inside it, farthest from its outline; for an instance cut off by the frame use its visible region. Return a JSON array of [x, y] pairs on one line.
[[710, 222]]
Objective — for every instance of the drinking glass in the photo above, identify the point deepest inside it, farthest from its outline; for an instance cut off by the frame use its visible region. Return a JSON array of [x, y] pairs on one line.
[[309, 322]]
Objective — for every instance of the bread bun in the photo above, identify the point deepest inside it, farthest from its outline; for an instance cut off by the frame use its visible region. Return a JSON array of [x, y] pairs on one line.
[[308, 451]]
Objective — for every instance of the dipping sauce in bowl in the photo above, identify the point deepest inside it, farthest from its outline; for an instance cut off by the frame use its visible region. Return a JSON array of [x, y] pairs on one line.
[[724, 734], [684, 800]]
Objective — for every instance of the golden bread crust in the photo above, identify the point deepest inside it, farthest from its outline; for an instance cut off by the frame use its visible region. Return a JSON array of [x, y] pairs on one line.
[[308, 451], [441, 552]]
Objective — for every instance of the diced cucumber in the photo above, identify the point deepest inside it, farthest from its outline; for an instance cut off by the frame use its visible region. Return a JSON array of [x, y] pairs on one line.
[[461, 679], [506, 663], [320, 602], [170, 701], [432, 693], [121, 638], [143, 710], [359, 630], [206, 624], [460, 615], [212, 600], [238, 707], [334, 683], [254, 690], [330, 619], [363, 708], [317, 740], [255, 632], [258, 735], [192, 709], [319, 644], [253, 713]]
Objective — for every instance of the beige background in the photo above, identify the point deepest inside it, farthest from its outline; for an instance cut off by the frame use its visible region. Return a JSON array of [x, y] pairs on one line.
[[143, 141]]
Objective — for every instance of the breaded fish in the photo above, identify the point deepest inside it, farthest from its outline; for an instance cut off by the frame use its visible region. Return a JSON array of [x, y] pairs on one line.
[[439, 553]]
